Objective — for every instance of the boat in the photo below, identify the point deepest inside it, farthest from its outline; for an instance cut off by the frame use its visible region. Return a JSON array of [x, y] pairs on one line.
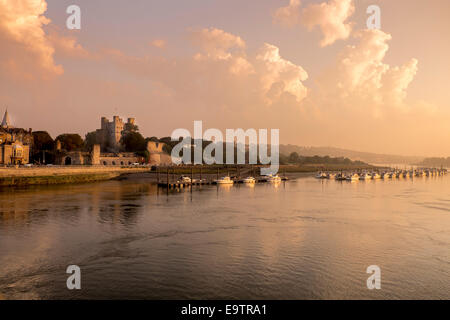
[[331, 176], [365, 176], [273, 179], [321, 175], [352, 177], [249, 180], [185, 179], [386, 175], [340, 177], [224, 180], [376, 176]]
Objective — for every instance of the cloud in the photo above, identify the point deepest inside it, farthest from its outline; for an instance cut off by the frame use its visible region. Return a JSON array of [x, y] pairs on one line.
[[331, 17], [280, 76], [361, 78], [274, 75], [159, 43], [222, 72], [216, 43], [288, 16], [26, 51], [68, 46]]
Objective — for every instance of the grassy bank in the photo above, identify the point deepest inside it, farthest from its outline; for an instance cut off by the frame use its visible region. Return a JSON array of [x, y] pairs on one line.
[[61, 175]]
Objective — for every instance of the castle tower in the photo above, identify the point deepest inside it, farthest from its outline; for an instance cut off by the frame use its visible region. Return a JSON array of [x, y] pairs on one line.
[[6, 123]]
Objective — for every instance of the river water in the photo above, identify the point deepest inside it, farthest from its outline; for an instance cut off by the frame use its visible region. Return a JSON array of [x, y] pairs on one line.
[[302, 239]]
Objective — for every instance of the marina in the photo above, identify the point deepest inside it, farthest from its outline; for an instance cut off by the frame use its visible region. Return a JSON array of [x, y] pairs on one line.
[[381, 174], [170, 180]]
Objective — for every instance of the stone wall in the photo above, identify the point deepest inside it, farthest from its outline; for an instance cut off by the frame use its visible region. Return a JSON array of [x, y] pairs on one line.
[[118, 161]]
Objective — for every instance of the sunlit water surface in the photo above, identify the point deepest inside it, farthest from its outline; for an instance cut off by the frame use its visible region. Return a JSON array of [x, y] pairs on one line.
[[303, 239]]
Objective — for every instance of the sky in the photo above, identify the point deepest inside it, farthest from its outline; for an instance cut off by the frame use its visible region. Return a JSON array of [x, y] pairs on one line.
[[310, 68]]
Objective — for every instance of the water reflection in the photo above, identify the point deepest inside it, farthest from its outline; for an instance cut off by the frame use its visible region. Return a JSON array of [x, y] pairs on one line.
[[300, 239]]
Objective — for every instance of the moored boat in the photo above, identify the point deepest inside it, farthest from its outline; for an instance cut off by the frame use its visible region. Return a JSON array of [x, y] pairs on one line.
[[273, 179], [249, 180], [224, 180]]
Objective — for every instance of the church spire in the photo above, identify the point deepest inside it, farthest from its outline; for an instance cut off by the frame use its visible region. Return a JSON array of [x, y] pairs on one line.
[[6, 122]]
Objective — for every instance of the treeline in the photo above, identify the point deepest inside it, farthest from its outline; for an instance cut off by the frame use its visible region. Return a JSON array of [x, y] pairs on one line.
[[295, 158], [435, 162]]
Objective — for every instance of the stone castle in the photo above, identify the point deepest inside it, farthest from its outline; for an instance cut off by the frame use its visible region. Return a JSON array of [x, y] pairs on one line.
[[107, 149], [15, 143], [110, 133]]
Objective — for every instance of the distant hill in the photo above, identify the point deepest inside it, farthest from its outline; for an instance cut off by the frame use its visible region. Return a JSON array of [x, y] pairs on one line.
[[372, 158], [436, 162]]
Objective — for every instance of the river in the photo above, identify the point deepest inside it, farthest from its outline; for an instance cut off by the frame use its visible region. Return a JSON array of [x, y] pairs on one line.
[[301, 239]]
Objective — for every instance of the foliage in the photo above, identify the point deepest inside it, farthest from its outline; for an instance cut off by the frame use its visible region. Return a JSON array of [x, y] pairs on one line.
[[70, 141], [294, 158], [42, 141], [90, 140], [133, 142]]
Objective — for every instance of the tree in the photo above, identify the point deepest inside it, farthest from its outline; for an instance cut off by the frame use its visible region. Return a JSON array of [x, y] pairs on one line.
[[130, 127], [42, 141], [70, 141], [294, 157], [90, 140], [133, 142], [42, 148]]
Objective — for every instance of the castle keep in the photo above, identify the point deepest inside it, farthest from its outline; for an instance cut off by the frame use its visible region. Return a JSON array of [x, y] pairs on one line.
[[110, 133]]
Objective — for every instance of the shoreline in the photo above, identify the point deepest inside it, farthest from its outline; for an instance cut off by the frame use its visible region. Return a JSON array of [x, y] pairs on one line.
[[55, 175], [10, 177]]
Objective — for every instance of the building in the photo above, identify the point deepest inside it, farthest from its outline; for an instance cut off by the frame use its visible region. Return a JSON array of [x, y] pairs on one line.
[[107, 150], [14, 143], [94, 157], [110, 133]]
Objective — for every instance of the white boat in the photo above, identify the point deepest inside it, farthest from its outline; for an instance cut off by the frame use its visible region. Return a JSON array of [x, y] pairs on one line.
[[376, 176], [352, 177], [365, 176], [249, 180], [273, 179], [185, 179], [321, 175], [224, 180], [331, 176], [385, 175]]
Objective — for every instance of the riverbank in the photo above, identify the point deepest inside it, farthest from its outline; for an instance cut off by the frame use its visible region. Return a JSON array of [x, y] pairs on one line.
[[82, 174], [62, 175]]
